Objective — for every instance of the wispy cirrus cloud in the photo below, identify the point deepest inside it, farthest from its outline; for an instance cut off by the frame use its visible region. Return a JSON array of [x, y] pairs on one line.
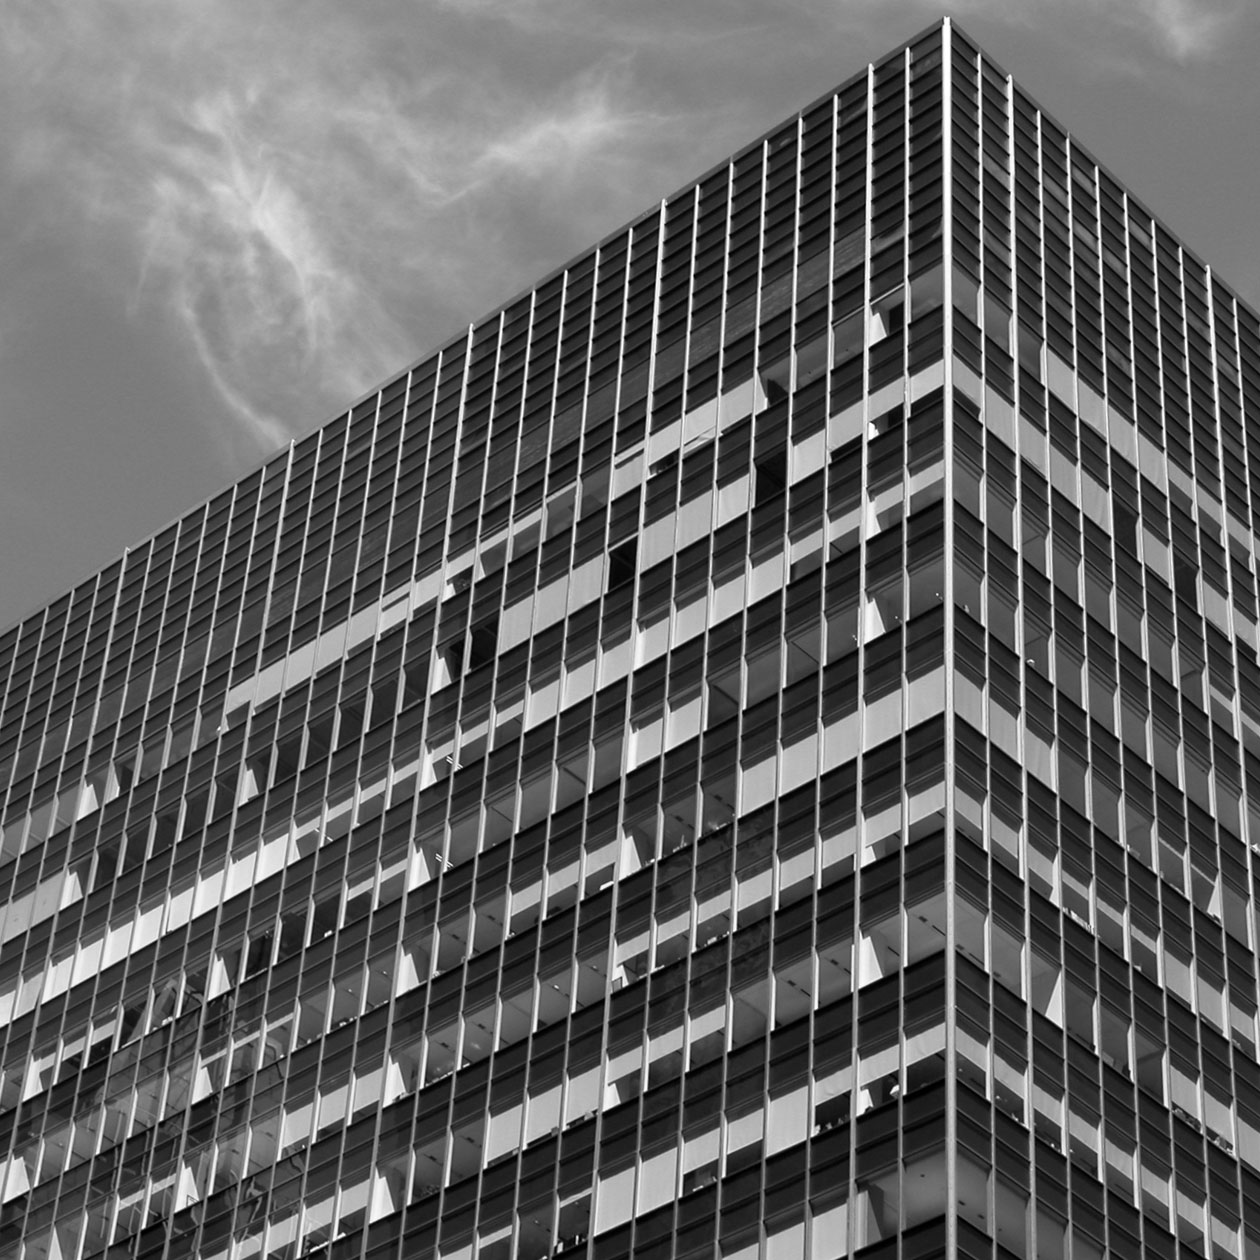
[[1181, 30], [1189, 28], [288, 203], [309, 194]]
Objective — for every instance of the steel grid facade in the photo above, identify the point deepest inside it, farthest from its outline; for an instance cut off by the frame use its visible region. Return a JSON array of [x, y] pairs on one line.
[[753, 750]]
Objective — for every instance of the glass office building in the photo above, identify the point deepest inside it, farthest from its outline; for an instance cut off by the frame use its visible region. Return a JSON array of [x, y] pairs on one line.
[[752, 750]]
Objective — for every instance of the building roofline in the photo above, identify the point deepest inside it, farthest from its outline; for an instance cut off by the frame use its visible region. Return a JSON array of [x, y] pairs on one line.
[[945, 22]]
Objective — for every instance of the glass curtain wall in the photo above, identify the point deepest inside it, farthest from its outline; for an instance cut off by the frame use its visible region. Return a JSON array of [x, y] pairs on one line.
[[751, 750]]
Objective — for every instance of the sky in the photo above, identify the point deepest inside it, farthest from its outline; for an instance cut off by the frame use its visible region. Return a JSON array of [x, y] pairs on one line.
[[225, 221]]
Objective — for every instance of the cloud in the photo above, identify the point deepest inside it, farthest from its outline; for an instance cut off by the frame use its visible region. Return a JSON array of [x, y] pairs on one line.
[[289, 202], [1183, 30], [1188, 30], [308, 193], [591, 123]]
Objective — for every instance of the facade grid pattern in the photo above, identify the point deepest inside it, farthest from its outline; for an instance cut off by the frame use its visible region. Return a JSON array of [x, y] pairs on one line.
[[753, 750]]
